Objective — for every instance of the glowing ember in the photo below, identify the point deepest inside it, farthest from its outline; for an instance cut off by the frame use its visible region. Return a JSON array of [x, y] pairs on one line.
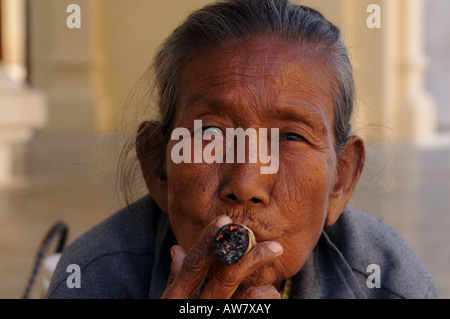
[[232, 243]]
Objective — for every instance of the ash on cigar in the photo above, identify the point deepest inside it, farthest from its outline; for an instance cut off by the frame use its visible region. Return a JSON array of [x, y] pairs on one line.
[[231, 243]]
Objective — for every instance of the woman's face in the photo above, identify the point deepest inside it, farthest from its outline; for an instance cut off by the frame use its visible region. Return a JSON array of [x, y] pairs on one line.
[[262, 83]]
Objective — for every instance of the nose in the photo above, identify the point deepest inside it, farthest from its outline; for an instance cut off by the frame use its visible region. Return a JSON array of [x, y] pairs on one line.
[[244, 184]]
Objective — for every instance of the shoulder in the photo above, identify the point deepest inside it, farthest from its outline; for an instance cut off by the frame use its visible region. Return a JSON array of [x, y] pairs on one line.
[[364, 240], [114, 257]]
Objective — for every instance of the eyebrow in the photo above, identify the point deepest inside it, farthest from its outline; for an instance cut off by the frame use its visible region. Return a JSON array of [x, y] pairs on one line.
[[303, 112], [300, 113]]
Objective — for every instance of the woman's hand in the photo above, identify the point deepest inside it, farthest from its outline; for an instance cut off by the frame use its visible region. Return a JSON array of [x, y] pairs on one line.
[[189, 270]]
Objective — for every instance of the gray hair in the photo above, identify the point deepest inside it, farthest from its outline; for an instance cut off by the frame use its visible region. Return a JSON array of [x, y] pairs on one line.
[[221, 21]]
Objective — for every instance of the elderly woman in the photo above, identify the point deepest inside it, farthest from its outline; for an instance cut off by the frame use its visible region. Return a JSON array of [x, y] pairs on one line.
[[276, 68]]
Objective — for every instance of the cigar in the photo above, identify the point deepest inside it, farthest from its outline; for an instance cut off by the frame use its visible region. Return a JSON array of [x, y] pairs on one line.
[[232, 242]]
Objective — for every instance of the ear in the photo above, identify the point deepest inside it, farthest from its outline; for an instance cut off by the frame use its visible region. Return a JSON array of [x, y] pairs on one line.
[[150, 150], [350, 164]]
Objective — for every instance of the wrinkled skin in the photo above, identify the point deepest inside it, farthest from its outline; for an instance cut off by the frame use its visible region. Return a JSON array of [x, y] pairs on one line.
[[261, 83]]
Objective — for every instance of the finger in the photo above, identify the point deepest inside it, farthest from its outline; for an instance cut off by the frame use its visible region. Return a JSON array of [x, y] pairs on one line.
[[178, 254], [223, 283], [191, 275], [257, 292]]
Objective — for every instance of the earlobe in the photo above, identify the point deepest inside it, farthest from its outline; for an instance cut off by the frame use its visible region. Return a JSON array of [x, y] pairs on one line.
[[350, 164], [150, 150]]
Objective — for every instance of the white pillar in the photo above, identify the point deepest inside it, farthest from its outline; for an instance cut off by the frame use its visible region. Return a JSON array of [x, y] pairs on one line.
[[14, 42], [417, 114], [21, 109], [5, 164]]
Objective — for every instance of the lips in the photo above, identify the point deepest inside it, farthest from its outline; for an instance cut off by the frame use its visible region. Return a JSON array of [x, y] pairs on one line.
[[259, 235], [257, 219]]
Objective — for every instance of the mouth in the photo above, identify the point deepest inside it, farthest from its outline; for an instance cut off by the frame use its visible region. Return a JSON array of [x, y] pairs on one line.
[[261, 238], [233, 241], [256, 221], [259, 234]]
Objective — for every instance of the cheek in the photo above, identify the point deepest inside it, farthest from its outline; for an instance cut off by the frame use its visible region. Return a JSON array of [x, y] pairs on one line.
[[304, 183], [303, 191], [188, 180], [191, 190]]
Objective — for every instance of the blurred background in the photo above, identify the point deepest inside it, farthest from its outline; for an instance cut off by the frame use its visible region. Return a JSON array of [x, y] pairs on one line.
[[64, 116]]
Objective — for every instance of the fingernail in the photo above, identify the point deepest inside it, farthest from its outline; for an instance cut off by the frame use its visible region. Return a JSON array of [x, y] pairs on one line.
[[275, 247], [172, 252], [222, 221]]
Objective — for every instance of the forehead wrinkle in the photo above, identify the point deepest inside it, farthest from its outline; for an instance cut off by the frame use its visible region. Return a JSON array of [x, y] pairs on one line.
[[240, 78], [316, 93], [283, 76], [308, 92], [241, 73], [238, 91], [241, 85]]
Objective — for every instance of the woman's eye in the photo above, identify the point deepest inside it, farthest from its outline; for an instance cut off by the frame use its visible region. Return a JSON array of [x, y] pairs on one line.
[[212, 130], [293, 137]]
